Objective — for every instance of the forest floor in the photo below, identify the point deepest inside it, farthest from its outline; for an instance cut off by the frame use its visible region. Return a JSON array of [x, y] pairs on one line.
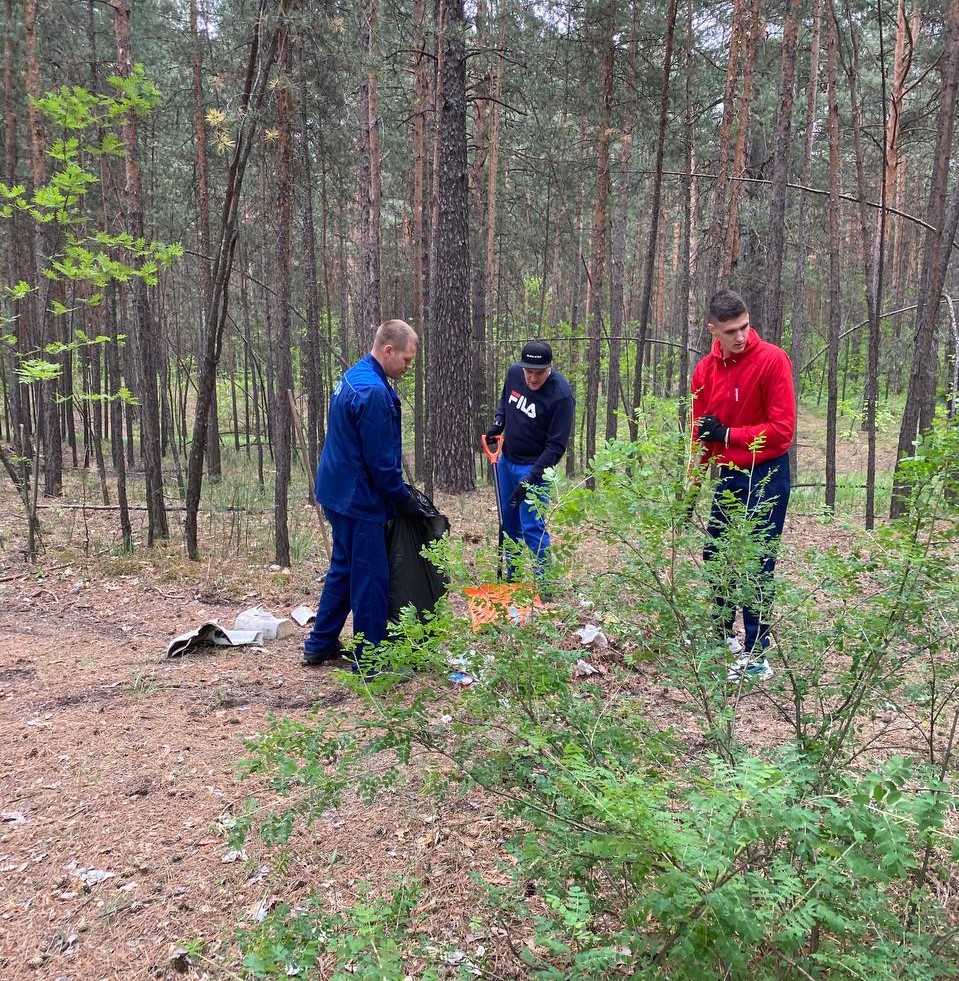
[[118, 772]]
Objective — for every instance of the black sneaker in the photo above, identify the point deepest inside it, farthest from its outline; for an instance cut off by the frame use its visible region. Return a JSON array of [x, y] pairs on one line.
[[312, 659]]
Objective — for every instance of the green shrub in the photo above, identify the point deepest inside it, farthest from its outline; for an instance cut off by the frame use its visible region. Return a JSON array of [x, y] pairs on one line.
[[654, 854]]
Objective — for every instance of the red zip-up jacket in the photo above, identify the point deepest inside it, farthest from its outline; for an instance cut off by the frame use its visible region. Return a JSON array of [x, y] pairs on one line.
[[752, 394]]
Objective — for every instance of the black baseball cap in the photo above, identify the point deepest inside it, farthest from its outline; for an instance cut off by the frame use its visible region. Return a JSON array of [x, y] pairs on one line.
[[536, 354]]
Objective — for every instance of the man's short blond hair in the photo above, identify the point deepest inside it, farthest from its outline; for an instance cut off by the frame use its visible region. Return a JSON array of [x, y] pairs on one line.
[[396, 333]]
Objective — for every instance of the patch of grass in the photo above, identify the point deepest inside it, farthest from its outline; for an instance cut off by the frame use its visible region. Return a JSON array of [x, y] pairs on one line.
[[143, 687], [810, 498]]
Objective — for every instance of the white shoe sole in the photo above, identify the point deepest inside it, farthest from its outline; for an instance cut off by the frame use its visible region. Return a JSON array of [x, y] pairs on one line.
[[761, 671]]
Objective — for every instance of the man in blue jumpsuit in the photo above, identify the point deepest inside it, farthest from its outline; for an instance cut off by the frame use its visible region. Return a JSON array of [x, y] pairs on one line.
[[534, 416], [359, 483]]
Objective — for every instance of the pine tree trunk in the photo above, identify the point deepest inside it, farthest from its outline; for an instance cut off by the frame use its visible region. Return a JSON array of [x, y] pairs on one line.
[[270, 262], [729, 255], [282, 410], [564, 209], [483, 108], [67, 421], [645, 299], [573, 362], [901, 63], [48, 416], [214, 467], [116, 417], [234, 403], [864, 245], [421, 250], [776, 248], [327, 262], [617, 270], [797, 337], [96, 421], [920, 399], [575, 296], [835, 314], [684, 280], [347, 307], [449, 358], [902, 239], [146, 328], [717, 230], [490, 264], [369, 178], [598, 275], [659, 309], [19, 401], [314, 377]]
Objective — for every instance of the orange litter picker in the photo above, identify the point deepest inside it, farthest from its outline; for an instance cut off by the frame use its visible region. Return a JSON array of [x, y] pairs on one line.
[[502, 601], [493, 448]]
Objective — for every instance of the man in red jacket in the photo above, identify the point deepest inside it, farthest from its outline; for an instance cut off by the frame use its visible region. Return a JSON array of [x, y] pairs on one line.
[[744, 415]]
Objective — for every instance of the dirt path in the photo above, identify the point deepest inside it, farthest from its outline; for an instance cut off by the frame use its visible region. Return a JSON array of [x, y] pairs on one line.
[[121, 761], [120, 765]]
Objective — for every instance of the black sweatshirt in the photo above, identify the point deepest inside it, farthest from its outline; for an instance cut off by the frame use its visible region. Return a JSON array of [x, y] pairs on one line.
[[537, 423]]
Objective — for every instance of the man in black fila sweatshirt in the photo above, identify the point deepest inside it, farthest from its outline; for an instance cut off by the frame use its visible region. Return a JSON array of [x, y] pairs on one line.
[[534, 417]]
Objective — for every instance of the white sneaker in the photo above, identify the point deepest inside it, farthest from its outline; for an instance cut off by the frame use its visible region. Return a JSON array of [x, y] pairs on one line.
[[746, 668], [735, 648]]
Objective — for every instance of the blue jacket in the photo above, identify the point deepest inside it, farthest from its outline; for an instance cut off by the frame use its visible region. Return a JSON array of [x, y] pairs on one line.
[[360, 473]]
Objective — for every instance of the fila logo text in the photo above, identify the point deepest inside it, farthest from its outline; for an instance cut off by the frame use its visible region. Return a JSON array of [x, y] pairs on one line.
[[527, 408]]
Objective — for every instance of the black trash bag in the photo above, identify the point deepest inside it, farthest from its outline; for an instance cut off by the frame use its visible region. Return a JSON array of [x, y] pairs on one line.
[[414, 579]]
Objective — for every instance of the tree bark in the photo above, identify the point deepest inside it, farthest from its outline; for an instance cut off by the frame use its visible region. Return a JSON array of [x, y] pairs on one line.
[[920, 399], [887, 179], [146, 328], [598, 273], [901, 62], [797, 336], [492, 208], [369, 178], [314, 377], [421, 249], [19, 399], [449, 358], [483, 108], [853, 74], [576, 292], [617, 311], [835, 313], [282, 410], [646, 297], [684, 280], [717, 230], [729, 256], [214, 466], [327, 262], [116, 418], [776, 250], [48, 416]]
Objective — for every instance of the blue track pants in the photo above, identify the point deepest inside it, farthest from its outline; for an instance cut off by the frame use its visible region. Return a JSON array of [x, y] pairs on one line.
[[521, 523], [765, 494], [358, 580]]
